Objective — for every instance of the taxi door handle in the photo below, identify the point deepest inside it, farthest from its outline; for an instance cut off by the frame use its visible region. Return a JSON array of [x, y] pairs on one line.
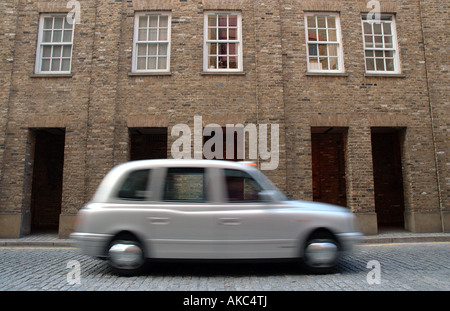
[[230, 221], [159, 220]]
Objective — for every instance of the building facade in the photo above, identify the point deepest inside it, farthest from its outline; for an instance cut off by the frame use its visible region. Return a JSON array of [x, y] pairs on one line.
[[358, 90]]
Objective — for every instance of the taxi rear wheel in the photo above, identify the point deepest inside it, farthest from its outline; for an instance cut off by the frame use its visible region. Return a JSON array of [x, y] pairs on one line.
[[126, 255]]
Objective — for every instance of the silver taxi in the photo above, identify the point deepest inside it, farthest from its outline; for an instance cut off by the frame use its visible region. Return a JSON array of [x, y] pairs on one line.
[[206, 209]]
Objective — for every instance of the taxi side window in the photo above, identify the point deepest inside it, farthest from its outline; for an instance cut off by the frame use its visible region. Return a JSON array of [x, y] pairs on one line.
[[135, 186], [185, 184], [241, 187]]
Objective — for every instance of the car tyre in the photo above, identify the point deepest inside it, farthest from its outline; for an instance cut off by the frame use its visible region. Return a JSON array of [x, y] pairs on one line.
[[321, 253], [126, 256]]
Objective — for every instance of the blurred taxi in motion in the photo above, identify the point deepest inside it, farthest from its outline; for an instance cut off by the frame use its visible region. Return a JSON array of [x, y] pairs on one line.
[[206, 209]]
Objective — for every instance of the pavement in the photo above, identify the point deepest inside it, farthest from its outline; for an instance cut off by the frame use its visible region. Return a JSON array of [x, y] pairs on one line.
[[383, 237]]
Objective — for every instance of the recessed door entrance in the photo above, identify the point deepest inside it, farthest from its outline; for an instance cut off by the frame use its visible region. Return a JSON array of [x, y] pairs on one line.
[[46, 189], [148, 143], [387, 175], [328, 165]]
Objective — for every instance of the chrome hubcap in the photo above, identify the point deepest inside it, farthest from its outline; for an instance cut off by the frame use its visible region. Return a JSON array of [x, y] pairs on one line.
[[126, 255], [321, 253]]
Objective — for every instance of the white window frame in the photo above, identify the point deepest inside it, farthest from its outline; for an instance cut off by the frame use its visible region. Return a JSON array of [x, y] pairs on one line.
[[208, 41], [385, 18], [338, 43], [41, 45], [157, 42]]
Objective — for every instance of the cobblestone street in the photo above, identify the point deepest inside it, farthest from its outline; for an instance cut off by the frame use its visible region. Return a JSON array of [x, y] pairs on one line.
[[403, 267]]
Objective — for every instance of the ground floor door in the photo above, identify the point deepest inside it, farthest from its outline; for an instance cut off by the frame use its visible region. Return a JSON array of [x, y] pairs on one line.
[[387, 175], [148, 143], [46, 190]]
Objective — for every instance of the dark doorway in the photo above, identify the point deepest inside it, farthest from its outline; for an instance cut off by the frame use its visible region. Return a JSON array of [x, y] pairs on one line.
[[328, 165], [231, 141], [387, 175], [46, 191], [148, 143]]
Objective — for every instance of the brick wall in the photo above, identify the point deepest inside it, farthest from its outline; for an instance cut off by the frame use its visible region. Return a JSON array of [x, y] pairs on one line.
[[101, 100]]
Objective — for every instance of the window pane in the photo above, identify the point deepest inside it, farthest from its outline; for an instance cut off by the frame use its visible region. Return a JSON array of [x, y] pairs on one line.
[[47, 37], [324, 62], [311, 20], [48, 22], [223, 34], [223, 63], [390, 64], [377, 28], [56, 51], [143, 21], [323, 50], [379, 54], [367, 29], [321, 22], [333, 50], [232, 34], [151, 63], [332, 36], [142, 49], [45, 65], [334, 63], [184, 184], [163, 49], [67, 36], [65, 65], [370, 64], [141, 63], [223, 20], [241, 187], [389, 54], [153, 35], [46, 51], [153, 21], [312, 36], [212, 62], [55, 64], [232, 49], [388, 42], [212, 34], [387, 28], [223, 50], [378, 41], [163, 21], [57, 36], [233, 62], [232, 21], [135, 186], [212, 48], [369, 54], [368, 41], [380, 64], [66, 51], [314, 64], [322, 35], [142, 35], [212, 20], [67, 26], [331, 22], [162, 63], [163, 34], [58, 23], [313, 50], [153, 49]]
